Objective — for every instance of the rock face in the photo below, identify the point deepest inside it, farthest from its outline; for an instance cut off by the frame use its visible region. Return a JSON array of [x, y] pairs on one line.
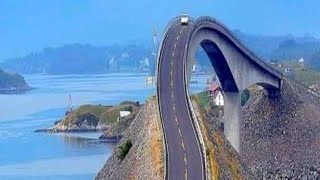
[[144, 160], [281, 137], [86, 122]]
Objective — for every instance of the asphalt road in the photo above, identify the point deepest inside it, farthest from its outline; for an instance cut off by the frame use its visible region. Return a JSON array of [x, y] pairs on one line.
[[183, 148]]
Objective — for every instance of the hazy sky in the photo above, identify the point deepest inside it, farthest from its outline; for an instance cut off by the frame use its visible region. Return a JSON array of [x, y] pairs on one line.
[[30, 25]]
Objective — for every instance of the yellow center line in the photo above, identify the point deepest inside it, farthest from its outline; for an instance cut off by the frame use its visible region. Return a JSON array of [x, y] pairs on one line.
[[174, 105], [186, 174]]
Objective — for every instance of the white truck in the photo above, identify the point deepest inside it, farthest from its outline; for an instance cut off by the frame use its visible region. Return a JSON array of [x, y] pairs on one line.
[[184, 19]]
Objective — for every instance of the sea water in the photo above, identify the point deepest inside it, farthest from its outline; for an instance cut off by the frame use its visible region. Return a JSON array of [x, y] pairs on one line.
[[28, 155]]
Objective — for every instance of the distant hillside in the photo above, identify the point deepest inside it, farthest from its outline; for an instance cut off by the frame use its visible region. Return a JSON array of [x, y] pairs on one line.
[[83, 59], [88, 59], [12, 82], [284, 48], [277, 48]]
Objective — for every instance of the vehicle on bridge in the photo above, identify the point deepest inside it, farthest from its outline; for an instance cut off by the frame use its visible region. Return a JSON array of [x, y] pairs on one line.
[[184, 19]]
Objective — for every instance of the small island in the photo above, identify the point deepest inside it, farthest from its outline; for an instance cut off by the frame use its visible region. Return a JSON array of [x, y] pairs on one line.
[[112, 120], [12, 83]]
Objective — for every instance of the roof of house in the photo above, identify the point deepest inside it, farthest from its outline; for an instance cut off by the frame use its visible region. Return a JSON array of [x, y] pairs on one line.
[[214, 87], [124, 113]]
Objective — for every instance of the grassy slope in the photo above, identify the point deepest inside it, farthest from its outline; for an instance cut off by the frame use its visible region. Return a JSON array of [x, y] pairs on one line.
[[105, 114]]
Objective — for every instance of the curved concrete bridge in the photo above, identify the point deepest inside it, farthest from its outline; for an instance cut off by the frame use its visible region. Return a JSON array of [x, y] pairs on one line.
[[237, 68]]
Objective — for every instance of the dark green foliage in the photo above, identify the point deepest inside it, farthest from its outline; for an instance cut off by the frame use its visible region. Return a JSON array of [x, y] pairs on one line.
[[124, 149], [203, 99], [12, 81], [245, 95], [90, 118]]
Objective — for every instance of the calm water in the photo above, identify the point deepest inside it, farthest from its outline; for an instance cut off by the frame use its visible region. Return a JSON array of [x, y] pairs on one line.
[[28, 155]]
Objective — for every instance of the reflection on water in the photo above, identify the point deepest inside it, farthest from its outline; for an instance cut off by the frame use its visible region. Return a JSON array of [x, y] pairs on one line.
[[83, 140], [22, 91]]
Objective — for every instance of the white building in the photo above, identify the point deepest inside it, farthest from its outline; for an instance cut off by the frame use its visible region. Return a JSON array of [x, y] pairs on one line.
[[215, 93]]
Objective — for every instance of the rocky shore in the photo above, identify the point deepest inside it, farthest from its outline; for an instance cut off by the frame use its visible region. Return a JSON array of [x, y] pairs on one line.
[[97, 118]]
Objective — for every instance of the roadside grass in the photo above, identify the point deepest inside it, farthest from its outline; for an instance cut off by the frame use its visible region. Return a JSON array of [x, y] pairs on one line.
[[124, 149], [307, 77]]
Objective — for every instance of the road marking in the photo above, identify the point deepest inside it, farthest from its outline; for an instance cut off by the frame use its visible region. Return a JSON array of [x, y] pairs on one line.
[[176, 119], [186, 174], [174, 105], [180, 135], [185, 160], [182, 144], [174, 108]]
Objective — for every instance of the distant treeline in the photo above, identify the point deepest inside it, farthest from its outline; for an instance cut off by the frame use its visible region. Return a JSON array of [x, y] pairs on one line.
[[88, 59]]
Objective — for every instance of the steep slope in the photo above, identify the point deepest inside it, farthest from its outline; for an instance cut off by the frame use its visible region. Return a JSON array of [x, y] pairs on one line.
[[144, 158], [281, 137], [223, 162]]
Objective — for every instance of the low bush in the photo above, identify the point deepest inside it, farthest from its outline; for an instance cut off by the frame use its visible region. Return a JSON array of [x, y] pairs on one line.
[[124, 149]]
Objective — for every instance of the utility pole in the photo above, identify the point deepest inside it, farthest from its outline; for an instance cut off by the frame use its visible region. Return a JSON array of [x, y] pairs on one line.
[[154, 48], [69, 108], [150, 79]]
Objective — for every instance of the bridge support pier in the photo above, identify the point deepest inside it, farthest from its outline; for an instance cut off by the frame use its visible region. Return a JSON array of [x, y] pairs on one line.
[[232, 123]]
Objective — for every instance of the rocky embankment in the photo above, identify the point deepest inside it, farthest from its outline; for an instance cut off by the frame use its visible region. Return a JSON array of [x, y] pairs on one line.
[[281, 137], [145, 160], [139, 155], [223, 162], [93, 118], [280, 140]]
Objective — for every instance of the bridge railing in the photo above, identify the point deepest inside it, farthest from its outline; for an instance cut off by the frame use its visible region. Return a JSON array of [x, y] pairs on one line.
[[237, 41]]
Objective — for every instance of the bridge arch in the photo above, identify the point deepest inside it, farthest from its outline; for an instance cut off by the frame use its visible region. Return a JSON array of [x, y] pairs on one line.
[[236, 67], [245, 67]]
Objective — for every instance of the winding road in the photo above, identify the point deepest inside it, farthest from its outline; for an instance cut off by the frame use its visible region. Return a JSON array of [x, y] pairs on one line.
[[237, 68], [184, 156]]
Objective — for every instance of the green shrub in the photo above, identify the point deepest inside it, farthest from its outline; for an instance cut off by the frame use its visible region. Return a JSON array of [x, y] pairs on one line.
[[203, 99], [124, 149], [245, 95]]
